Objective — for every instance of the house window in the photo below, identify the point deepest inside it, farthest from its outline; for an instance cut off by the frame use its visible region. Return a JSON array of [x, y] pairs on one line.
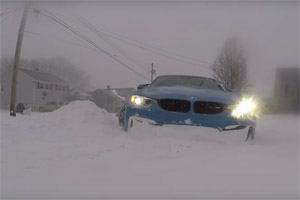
[[2, 89], [38, 85], [41, 85], [46, 86], [56, 87]]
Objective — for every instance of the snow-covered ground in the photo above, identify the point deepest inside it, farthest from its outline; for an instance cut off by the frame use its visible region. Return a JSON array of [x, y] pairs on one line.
[[79, 151]]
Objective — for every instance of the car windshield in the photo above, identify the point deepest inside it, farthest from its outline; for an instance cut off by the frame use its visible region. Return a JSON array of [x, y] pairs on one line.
[[186, 81]]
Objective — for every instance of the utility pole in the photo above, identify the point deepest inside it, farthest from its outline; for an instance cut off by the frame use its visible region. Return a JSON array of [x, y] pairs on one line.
[[13, 96], [153, 72]]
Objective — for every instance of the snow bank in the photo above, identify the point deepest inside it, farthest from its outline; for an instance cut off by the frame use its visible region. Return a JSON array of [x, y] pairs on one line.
[[79, 114]]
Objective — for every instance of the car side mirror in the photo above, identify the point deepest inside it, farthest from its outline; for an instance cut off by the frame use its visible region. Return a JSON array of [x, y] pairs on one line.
[[142, 86]]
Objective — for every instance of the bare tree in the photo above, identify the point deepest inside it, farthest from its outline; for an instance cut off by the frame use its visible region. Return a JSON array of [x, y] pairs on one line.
[[230, 66], [6, 63], [58, 66]]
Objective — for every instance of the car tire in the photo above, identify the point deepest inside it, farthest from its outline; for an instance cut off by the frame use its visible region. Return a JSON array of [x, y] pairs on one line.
[[41, 109], [251, 133], [131, 123], [121, 115]]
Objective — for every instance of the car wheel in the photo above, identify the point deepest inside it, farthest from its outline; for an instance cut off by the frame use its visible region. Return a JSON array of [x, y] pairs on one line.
[[41, 109], [131, 123], [251, 133], [122, 115]]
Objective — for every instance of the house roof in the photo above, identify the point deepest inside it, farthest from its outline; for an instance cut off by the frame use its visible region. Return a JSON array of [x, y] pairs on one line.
[[80, 92], [124, 92], [117, 93], [110, 92], [43, 76]]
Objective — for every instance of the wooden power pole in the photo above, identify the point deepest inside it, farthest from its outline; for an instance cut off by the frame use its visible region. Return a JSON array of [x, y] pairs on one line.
[[16, 62]]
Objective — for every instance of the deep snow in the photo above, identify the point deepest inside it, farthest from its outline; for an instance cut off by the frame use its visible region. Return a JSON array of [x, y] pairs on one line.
[[80, 151]]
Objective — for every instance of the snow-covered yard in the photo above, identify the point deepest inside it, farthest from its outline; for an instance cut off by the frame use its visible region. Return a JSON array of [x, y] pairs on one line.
[[80, 151]]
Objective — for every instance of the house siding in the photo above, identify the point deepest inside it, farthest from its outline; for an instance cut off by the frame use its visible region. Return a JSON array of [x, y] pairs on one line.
[[24, 89], [28, 93]]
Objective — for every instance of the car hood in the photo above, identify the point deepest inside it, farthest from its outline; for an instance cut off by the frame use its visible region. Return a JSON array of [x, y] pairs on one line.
[[189, 93]]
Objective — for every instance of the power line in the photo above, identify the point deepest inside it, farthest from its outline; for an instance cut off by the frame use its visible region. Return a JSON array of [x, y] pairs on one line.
[[54, 38], [116, 47], [143, 45], [147, 45], [153, 51], [70, 28], [4, 11], [35, 10], [4, 19], [15, 9], [136, 79], [150, 46], [94, 29]]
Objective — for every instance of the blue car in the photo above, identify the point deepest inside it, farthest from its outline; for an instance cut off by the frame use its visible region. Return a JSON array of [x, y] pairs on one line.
[[190, 100]]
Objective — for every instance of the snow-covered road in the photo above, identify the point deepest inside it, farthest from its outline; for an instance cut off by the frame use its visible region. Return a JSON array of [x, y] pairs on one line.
[[79, 151]]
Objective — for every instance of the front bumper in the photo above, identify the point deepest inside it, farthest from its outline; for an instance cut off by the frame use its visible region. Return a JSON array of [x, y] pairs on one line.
[[156, 115]]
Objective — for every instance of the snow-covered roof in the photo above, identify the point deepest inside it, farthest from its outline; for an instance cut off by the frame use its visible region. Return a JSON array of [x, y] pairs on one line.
[[43, 76], [111, 93], [79, 91], [119, 93], [124, 92], [115, 92]]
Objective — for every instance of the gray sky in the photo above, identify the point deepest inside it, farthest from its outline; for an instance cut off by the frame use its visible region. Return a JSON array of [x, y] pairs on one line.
[[268, 31]]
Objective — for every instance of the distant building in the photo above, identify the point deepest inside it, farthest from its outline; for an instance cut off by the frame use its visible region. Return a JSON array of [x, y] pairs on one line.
[[286, 92], [112, 99], [34, 89], [78, 94]]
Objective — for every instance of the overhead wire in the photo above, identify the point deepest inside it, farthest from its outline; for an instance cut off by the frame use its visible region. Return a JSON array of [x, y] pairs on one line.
[[127, 80], [153, 51], [4, 16], [70, 28], [144, 46], [54, 38], [151, 46], [82, 41], [5, 11], [86, 24]]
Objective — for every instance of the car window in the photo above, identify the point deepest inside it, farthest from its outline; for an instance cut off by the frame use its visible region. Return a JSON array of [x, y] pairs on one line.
[[186, 81]]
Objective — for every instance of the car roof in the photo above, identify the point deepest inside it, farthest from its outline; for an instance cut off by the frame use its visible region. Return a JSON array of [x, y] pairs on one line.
[[186, 76]]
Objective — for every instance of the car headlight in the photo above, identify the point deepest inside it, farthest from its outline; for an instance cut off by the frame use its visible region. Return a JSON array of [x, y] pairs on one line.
[[246, 108], [141, 101]]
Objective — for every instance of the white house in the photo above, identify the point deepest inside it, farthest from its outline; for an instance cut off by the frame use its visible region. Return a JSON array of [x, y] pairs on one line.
[[34, 88]]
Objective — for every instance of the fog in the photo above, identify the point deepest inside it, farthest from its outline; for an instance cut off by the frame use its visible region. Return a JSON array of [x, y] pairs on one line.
[[70, 139], [267, 30]]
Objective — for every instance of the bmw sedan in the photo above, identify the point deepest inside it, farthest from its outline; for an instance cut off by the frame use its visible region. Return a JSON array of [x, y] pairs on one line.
[[193, 101]]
